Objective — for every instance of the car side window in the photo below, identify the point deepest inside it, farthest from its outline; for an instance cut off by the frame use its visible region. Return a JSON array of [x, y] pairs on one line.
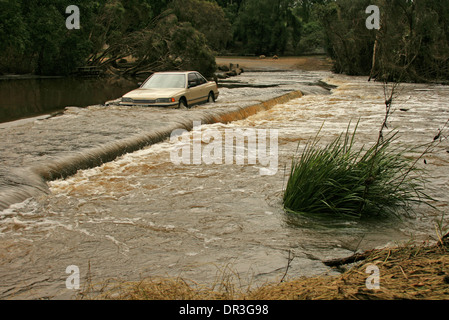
[[201, 79], [193, 80]]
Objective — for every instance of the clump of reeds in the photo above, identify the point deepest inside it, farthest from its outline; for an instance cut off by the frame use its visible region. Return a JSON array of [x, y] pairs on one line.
[[342, 179]]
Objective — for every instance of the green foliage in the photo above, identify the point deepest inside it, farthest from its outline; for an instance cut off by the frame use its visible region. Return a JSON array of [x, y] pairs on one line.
[[13, 32], [350, 42], [412, 44], [340, 179], [190, 49], [35, 39], [273, 27], [266, 26], [14, 35], [206, 17], [312, 39], [47, 35]]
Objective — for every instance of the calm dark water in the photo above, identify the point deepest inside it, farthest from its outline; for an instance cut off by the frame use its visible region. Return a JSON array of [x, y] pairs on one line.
[[22, 98]]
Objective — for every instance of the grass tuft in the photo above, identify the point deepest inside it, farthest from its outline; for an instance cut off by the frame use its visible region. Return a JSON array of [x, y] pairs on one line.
[[358, 182]]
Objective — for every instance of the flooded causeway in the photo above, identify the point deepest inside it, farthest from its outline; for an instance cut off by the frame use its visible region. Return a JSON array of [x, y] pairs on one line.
[[143, 215]]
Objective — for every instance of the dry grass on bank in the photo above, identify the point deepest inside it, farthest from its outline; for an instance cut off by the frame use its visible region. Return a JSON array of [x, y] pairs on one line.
[[407, 272]]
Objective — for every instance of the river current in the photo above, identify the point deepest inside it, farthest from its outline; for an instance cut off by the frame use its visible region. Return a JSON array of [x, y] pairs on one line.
[[143, 215]]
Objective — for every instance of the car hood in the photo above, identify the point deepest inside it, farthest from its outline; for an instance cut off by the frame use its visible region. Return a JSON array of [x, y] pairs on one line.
[[153, 93]]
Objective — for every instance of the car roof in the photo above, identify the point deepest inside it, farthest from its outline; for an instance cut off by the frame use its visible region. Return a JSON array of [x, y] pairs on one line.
[[174, 72]]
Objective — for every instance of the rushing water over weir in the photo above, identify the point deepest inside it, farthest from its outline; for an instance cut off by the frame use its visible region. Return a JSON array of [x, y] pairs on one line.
[[133, 213]]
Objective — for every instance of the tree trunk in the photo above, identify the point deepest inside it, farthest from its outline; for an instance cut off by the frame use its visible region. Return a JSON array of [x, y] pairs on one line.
[[373, 65]]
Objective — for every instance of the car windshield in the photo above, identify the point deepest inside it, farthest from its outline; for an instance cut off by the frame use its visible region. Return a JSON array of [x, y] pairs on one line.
[[165, 81]]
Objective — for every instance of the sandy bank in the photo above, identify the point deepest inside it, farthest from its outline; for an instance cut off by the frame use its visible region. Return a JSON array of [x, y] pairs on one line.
[[306, 63]]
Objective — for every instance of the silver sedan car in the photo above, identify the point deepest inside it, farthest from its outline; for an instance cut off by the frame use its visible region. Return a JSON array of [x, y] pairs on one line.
[[173, 89]]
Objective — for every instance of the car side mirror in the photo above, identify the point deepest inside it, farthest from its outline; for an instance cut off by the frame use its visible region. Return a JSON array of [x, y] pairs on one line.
[[139, 84], [192, 83]]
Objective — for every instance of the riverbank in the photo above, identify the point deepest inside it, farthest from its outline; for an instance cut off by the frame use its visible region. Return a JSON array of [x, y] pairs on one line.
[[305, 63], [405, 272]]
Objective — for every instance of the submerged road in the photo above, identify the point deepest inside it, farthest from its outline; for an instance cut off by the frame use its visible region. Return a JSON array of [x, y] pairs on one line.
[[45, 148]]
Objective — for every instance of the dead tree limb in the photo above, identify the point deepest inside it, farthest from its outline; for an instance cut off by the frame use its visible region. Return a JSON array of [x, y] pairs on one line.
[[347, 260]]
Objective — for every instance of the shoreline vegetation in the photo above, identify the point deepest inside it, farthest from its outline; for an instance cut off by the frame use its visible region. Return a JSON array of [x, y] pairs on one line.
[[410, 42]]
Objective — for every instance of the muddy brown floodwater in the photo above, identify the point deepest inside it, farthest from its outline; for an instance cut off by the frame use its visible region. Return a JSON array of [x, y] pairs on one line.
[[143, 215]]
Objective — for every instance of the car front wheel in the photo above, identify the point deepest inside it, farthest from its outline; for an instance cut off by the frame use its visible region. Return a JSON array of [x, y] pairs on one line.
[[182, 104]]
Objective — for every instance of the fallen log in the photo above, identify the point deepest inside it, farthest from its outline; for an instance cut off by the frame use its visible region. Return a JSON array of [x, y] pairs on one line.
[[443, 241], [348, 260]]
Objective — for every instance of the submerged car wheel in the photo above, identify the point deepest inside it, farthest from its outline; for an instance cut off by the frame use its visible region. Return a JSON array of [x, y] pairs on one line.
[[182, 104], [211, 97]]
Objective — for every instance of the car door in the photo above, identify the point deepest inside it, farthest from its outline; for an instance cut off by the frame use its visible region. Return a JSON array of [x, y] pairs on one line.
[[194, 91], [204, 87]]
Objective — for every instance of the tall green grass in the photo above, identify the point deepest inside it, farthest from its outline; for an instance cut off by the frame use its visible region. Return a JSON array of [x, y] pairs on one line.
[[341, 179]]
